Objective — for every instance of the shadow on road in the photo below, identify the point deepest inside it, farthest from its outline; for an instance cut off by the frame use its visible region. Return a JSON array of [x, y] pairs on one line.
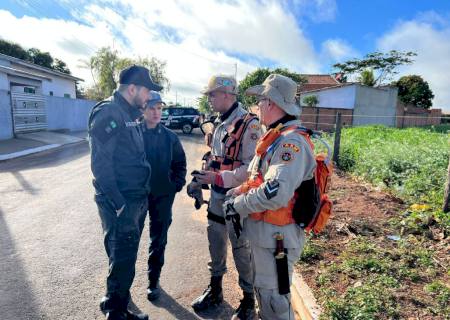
[[47, 158], [180, 312], [24, 183], [16, 293]]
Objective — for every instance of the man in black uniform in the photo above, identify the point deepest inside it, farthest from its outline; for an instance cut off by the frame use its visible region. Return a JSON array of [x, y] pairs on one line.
[[168, 161], [121, 181]]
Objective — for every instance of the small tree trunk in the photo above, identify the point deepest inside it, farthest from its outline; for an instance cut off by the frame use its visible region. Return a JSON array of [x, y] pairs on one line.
[[446, 206]]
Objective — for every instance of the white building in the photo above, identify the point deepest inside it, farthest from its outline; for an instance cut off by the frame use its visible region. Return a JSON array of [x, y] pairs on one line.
[[24, 88]]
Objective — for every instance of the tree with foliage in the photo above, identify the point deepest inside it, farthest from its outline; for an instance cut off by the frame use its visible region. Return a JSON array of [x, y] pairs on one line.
[[258, 76], [13, 50], [203, 105], [33, 55], [40, 58], [311, 101], [367, 78], [105, 68], [383, 64], [414, 90]]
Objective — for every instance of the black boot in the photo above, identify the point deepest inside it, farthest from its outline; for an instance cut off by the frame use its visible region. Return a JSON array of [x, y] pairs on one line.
[[246, 309], [153, 290], [127, 315], [212, 296]]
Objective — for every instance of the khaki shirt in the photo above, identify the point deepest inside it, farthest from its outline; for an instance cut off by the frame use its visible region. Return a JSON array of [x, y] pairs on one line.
[[233, 178], [287, 164]]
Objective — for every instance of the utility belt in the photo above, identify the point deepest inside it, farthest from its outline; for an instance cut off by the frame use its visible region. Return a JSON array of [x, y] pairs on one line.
[[214, 217]]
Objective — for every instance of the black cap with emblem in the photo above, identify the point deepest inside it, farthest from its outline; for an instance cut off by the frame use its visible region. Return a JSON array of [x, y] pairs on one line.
[[139, 76]]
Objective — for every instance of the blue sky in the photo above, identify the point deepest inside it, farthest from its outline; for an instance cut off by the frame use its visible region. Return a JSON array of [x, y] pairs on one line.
[[199, 38]]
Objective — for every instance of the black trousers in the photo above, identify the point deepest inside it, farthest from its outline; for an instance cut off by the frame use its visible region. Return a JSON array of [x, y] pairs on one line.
[[160, 214], [121, 240]]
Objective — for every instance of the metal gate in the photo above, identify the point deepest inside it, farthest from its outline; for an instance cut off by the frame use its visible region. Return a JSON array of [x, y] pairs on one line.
[[28, 112]]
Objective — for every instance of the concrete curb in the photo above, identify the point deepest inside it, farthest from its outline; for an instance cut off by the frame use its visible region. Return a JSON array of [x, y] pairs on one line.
[[22, 153], [303, 301], [26, 152]]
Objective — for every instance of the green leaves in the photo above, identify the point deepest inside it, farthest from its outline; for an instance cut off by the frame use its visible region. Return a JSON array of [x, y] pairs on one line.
[[414, 90]]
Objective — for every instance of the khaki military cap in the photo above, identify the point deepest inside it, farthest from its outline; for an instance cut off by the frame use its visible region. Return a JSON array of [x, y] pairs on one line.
[[279, 89], [221, 83]]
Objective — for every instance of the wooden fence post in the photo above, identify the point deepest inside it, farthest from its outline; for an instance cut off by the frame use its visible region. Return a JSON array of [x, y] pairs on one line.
[[337, 139], [446, 206]]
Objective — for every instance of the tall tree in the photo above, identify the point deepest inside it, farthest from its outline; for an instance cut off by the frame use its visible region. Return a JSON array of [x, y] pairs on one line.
[[106, 65], [383, 64], [258, 76], [311, 101], [414, 90]]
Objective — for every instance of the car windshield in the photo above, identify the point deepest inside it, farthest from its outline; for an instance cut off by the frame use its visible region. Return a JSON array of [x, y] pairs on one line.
[[165, 113]]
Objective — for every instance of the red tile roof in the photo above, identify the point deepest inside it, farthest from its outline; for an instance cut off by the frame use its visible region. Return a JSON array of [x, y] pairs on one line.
[[320, 79]]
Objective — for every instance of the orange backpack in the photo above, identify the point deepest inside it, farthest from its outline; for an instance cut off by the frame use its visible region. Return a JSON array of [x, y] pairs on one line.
[[313, 207]]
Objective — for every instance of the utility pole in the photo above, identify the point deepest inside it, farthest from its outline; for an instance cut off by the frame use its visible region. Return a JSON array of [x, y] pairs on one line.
[[176, 97]]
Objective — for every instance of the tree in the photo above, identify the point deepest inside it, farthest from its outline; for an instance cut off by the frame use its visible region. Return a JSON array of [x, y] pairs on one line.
[[60, 66], [311, 101], [40, 58], [106, 65], [203, 105], [258, 76], [414, 90], [384, 64], [13, 50], [33, 55], [367, 78]]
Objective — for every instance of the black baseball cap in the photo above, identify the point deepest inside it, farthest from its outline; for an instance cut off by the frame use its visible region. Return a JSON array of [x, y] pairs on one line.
[[139, 76]]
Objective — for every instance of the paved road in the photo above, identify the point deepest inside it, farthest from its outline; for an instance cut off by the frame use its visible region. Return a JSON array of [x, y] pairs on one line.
[[52, 261]]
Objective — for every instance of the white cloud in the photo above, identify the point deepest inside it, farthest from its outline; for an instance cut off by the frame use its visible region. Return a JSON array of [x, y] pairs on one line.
[[196, 38], [337, 49], [429, 37], [317, 11]]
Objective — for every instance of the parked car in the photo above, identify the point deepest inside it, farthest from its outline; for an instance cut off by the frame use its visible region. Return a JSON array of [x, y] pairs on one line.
[[184, 118]]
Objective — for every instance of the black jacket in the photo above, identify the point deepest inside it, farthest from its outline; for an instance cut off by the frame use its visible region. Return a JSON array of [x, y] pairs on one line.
[[118, 160], [167, 159]]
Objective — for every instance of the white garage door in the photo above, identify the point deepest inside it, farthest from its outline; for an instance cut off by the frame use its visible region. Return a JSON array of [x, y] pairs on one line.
[[28, 112]]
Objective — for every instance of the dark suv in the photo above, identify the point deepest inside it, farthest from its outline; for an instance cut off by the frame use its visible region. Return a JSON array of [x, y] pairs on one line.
[[181, 118]]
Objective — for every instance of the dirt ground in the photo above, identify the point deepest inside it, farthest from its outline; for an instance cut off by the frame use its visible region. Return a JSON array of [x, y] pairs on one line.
[[362, 210]]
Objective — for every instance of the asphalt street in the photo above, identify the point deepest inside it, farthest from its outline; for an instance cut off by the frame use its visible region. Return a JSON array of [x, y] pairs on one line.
[[52, 260]]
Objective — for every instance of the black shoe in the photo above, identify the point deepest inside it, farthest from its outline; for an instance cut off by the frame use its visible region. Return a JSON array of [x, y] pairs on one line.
[[153, 291], [133, 316], [212, 296], [116, 315], [246, 309]]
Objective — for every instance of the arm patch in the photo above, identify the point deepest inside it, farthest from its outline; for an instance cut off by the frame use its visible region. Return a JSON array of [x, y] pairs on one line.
[[271, 189], [105, 129]]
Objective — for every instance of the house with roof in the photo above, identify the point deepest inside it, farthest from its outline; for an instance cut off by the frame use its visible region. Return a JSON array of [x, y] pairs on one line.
[[358, 105], [34, 98]]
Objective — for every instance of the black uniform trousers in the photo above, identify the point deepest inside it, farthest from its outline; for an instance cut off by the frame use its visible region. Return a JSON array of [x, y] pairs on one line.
[[160, 214], [121, 240]]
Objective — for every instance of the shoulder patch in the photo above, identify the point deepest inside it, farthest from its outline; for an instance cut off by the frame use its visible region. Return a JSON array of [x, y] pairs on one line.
[[255, 126], [291, 146], [254, 136], [286, 156], [105, 129]]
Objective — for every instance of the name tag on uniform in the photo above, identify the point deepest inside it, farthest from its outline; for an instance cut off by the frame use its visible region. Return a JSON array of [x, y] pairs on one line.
[[131, 123]]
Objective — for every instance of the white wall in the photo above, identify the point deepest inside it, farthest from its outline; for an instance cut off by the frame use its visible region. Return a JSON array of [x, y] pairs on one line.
[[375, 106], [59, 86], [6, 129], [334, 98], [71, 114], [4, 84]]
